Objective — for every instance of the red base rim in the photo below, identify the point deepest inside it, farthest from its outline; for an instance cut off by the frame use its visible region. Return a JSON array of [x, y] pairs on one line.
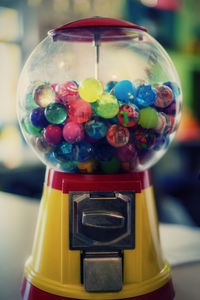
[[30, 292]]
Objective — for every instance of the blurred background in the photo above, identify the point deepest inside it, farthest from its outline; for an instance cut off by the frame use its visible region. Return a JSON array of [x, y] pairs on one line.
[[174, 23]]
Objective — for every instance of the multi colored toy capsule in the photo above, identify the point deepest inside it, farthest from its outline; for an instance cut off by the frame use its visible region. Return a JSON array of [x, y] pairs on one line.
[[164, 96], [128, 115], [66, 92], [117, 136]]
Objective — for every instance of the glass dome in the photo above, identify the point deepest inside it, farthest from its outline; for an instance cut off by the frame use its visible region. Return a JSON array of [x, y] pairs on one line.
[[101, 97]]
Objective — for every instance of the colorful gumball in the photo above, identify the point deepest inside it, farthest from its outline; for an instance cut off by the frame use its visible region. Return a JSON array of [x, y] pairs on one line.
[[148, 117], [83, 151], [53, 134], [104, 151], [127, 152], [53, 162], [171, 109], [110, 167], [30, 128], [107, 106], [87, 167], [172, 124], [79, 111], [129, 166], [73, 132], [163, 124], [44, 95], [144, 138], [117, 135], [164, 96], [110, 86], [87, 129], [90, 89], [63, 152], [125, 91], [96, 128], [38, 118], [69, 165], [54, 85], [174, 87], [56, 113], [66, 91], [42, 145], [128, 115], [30, 102], [145, 95]]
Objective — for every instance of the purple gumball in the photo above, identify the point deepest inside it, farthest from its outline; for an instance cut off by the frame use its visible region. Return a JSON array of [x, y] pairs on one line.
[[127, 152]]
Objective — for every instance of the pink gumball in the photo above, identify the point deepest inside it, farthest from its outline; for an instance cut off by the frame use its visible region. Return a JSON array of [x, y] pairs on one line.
[[53, 134], [73, 132]]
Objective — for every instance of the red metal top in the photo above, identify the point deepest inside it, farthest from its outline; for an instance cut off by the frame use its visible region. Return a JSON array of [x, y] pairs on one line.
[[90, 182], [84, 29], [99, 22]]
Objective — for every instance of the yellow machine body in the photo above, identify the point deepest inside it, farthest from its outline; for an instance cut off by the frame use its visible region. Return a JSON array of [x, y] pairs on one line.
[[56, 269]]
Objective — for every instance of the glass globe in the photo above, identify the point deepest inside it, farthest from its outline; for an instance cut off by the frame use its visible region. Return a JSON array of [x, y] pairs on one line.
[[99, 98]]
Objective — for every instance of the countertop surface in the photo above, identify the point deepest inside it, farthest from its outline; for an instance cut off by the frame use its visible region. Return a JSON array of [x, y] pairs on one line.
[[18, 216]]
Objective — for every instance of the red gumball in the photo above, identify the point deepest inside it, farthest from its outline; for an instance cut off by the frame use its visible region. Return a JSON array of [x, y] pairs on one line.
[[117, 135], [79, 111], [53, 134]]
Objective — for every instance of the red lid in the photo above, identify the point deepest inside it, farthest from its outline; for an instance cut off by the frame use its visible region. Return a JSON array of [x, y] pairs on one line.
[[92, 182], [85, 29]]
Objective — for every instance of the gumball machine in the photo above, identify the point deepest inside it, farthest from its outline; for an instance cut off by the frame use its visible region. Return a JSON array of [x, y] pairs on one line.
[[99, 102]]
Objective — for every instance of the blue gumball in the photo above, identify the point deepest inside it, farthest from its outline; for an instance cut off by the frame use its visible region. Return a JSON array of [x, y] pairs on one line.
[[96, 128], [38, 118], [109, 86], [63, 152], [69, 166], [104, 151], [145, 95], [82, 151], [125, 91]]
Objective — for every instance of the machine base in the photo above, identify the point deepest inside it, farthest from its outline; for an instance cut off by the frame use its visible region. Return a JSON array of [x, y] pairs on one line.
[[30, 292]]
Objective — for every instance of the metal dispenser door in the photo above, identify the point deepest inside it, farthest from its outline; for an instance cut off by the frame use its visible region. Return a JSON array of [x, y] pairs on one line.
[[102, 225]]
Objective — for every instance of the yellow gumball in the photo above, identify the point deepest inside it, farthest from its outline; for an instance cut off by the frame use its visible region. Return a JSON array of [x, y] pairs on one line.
[[89, 166], [90, 89]]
